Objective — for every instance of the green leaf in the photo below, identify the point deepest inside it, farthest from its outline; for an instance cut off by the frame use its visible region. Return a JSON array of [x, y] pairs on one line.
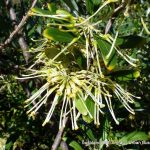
[[105, 47], [81, 106], [79, 57], [52, 8], [51, 52], [71, 4], [87, 118], [66, 14], [96, 2], [74, 4], [89, 6], [130, 41], [90, 134], [57, 35], [9, 145], [75, 145], [134, 136], [90, 105], [79, 61], [41, 11], [125, 75], [63, 12], [65, 59]]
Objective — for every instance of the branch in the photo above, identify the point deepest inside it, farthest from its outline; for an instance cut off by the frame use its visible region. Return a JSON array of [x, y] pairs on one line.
[[58, 137], [112, 18], [19, 26], [21, 41], [63, 145], [24, 46]]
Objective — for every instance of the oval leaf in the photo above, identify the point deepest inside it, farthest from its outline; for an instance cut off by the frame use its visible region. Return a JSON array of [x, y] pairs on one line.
[[105, 47], [130, 41], [133, 136], [90, 105], [57, 35], [65, 14], [125, 75], [51, 52], [81, 106], [90, 134], [75, 145]]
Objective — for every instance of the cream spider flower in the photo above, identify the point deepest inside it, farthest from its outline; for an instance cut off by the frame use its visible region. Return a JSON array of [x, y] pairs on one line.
[[72, 89]]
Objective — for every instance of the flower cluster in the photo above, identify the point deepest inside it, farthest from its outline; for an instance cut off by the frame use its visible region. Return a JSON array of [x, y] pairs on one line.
[[72, 89], [84, 91]]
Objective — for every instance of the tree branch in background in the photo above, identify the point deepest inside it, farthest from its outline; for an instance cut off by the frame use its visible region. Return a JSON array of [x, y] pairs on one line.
[[58, 137], [18, 27], [23, 44]]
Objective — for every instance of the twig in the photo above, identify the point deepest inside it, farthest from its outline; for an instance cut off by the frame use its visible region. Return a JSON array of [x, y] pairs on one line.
[[112, 18], [17, 29], [58, 137], [24, 46], [63, 145]]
